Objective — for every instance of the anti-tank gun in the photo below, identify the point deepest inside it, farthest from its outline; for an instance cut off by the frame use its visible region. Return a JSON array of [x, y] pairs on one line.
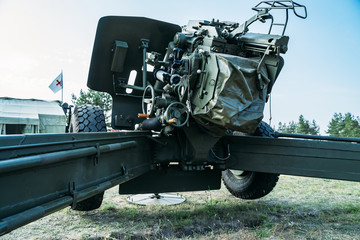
[[201, 82], [181, 98]]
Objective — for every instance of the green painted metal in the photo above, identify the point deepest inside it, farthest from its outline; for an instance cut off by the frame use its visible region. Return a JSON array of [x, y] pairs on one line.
[[61, 156], [317, 137], [323, 159], [41, 174], [132, 31], [173, 179]]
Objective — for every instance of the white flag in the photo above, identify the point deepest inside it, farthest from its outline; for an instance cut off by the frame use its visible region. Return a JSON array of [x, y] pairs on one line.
[[57, 84]]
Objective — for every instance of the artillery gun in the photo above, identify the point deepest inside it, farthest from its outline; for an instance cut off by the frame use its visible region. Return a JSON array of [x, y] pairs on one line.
[[188, 103]]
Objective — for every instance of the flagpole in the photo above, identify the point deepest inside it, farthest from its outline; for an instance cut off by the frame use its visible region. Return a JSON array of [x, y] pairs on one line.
[[62, 89]]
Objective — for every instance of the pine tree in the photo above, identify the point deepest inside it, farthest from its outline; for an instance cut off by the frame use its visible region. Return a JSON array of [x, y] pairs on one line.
[[344, 125], [303, 126]]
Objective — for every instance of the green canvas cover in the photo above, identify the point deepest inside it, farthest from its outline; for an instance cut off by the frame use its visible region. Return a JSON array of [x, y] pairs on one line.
[[236, 104]]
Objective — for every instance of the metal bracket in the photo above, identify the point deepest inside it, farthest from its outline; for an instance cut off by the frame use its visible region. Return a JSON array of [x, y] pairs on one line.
[[98, 153], [73, 194]]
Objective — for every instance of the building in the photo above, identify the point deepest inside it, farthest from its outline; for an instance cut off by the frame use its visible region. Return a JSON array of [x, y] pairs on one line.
[[24, 116]]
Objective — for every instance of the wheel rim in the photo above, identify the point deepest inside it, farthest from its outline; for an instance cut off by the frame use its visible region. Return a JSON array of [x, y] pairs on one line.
[[239, 174]]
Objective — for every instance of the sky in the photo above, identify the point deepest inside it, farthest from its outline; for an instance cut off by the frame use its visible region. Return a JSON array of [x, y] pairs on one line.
[[41, 38]]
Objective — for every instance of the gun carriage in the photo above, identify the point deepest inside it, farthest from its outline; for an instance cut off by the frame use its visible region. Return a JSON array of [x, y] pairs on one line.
[[188, 103]]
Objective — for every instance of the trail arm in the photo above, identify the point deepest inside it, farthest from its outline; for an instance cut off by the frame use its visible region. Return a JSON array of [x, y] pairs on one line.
[[41, 174]]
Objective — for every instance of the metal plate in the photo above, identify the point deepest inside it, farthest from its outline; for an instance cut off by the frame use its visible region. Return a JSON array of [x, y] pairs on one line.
[[156, 199], [130, 30]]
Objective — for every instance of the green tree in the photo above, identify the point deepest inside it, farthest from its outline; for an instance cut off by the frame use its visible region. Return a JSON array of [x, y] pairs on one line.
[[95, 98], [290, 128], [344, 125], [303, 126]]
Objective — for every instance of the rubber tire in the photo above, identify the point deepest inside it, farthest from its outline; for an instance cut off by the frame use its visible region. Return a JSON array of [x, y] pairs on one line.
[[251, 185], [87, 118]]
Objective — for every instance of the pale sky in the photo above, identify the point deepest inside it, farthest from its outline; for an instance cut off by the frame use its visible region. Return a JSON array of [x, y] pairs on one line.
[[39, 38]]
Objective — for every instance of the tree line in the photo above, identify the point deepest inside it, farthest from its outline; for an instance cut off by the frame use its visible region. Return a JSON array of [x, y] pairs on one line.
[[341, 125]]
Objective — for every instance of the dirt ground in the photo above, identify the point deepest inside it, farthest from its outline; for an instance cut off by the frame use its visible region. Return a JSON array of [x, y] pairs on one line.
[[298, 208]]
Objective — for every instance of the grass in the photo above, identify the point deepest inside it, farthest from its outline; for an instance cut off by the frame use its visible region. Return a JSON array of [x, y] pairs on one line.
[[298, 208]]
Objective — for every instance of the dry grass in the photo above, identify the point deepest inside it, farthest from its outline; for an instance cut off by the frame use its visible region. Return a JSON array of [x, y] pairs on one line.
[[298, 208]]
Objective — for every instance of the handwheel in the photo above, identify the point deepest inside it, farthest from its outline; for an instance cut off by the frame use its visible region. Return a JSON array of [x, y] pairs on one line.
[[148, 100], [177, 114]]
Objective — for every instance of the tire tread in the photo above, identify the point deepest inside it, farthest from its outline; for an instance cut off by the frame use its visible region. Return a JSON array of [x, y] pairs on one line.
[[255, 184], [88, 118]]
